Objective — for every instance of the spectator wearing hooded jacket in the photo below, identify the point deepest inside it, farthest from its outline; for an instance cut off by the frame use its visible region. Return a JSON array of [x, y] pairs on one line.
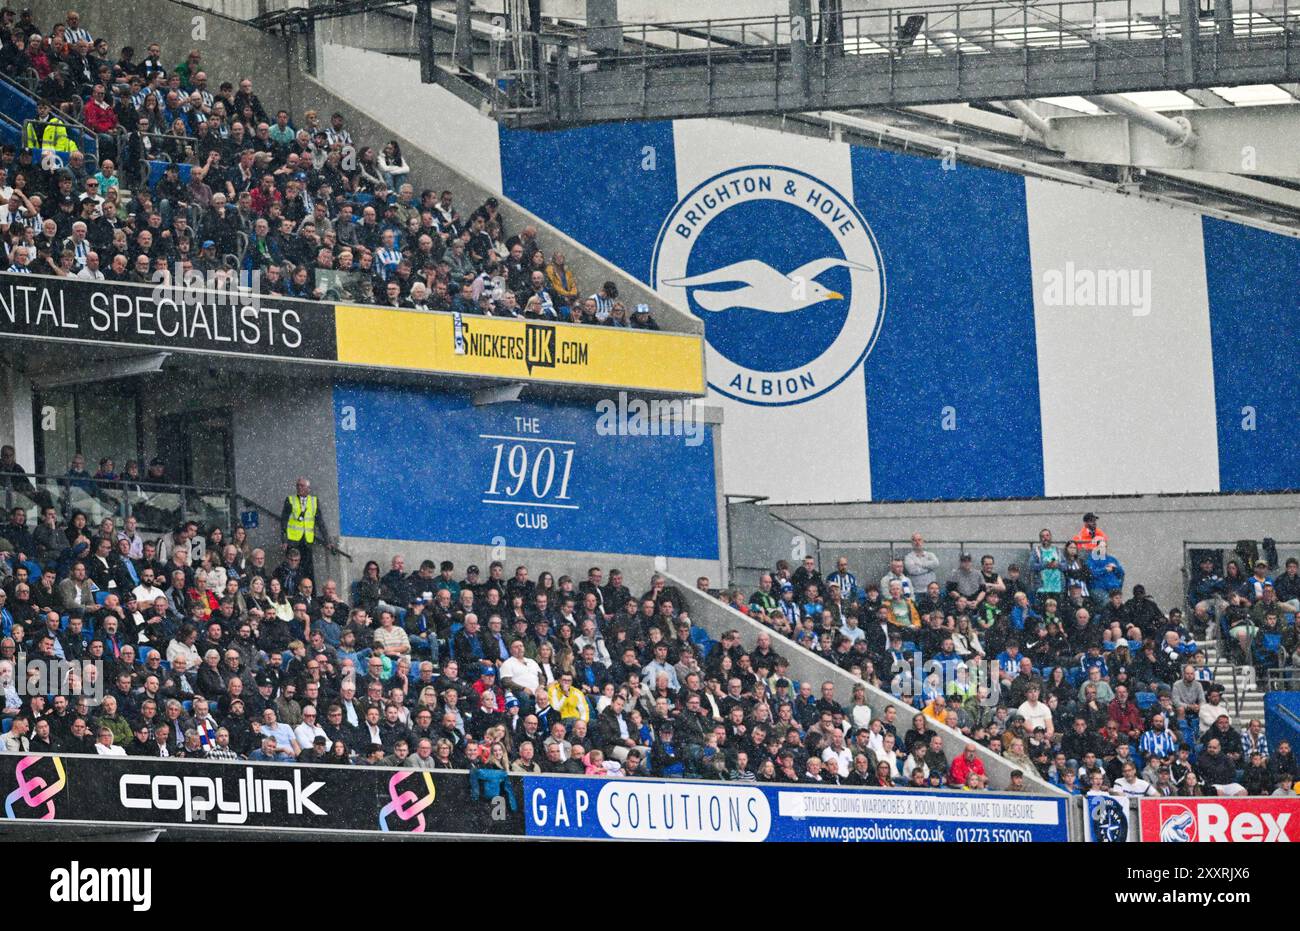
[[1107, 573]]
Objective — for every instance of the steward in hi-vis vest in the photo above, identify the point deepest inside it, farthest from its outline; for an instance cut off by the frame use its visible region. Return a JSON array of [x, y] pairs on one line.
[[303, 523]]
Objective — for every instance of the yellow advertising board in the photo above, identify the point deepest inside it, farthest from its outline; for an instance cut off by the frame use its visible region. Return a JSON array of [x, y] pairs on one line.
[[496, 347]]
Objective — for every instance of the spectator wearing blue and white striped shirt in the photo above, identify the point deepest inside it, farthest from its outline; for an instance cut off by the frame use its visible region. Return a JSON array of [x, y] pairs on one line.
[[21, 258], [78, 245], [846, 580], [604, 299], [1253, 740], [73, 31], [1158, 740], [336, 133], [387, 256]]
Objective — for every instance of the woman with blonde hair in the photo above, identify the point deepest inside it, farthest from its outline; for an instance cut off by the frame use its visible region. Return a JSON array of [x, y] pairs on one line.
[[546, 660]]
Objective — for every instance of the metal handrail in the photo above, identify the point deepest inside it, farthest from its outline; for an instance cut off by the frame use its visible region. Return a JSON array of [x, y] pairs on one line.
[[1286, 679], [8, 481], [71, 121], [1236, 690], [89, 139], [235, 502]]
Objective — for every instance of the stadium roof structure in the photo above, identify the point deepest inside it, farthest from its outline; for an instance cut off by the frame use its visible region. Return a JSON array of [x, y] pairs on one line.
[[1161, 99]]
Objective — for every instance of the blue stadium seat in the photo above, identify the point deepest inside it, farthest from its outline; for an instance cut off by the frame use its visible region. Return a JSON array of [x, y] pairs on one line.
[[188, 705], [156, 170], [5, 725], [101, 596], [1146, 700], [144, 650]]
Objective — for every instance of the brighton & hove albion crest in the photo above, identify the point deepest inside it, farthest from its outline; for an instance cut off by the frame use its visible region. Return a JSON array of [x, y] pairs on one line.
[[786, 275]]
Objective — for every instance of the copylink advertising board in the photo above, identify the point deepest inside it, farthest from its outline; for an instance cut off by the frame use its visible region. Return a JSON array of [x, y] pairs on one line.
[[640, 809], [188, 793]]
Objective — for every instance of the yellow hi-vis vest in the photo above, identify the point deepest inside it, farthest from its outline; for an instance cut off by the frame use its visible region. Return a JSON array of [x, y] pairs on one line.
[[302, 521]]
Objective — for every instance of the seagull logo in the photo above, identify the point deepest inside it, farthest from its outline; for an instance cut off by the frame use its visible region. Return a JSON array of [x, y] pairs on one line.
[[1178, 826], [786, 276], [762, 287]]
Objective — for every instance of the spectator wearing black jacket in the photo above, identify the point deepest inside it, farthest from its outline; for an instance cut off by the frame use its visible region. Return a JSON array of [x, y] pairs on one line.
[[1217, 770]]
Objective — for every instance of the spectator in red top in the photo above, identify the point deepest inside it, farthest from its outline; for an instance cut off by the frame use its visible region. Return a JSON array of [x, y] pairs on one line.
[[265, 195], [36, 57], [1123, 710], [964, 766], [99, 114]]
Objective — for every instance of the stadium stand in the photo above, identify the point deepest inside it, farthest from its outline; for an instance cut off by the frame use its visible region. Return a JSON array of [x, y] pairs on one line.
[[138, 169], [212, 649], [118, 169]]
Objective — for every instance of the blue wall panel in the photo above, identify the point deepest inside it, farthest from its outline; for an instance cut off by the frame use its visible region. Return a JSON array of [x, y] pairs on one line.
[[1253, 278], [958, 332], [609, 187], [422, 465]]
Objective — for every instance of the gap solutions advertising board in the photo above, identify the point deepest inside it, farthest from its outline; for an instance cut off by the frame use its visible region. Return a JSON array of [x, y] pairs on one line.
[[644, 809]]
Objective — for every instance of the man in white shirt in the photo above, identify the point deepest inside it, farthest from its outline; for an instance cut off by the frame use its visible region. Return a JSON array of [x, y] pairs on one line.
[[146, 593], [519, 674], [1035, 713], [896, 574], [840, 752], [105, 746], [91, 270], [920, 564], [1131, 785], [307, 732]]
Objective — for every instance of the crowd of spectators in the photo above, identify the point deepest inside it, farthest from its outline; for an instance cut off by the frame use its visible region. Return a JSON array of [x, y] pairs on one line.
[[212, 649], [1052, 665], [179, 170]]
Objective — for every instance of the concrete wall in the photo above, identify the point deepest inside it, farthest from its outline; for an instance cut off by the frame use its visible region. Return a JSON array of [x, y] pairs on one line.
[[1146, 532], [718, 618], [16, 414], [178, 29], [460, 135], [636, 569], [275, 65]]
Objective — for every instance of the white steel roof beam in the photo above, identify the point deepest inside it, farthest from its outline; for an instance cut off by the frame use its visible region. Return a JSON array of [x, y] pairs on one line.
[[1258, 141]]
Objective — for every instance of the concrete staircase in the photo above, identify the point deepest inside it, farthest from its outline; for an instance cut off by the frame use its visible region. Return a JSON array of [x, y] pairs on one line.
[[1251, 694]]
